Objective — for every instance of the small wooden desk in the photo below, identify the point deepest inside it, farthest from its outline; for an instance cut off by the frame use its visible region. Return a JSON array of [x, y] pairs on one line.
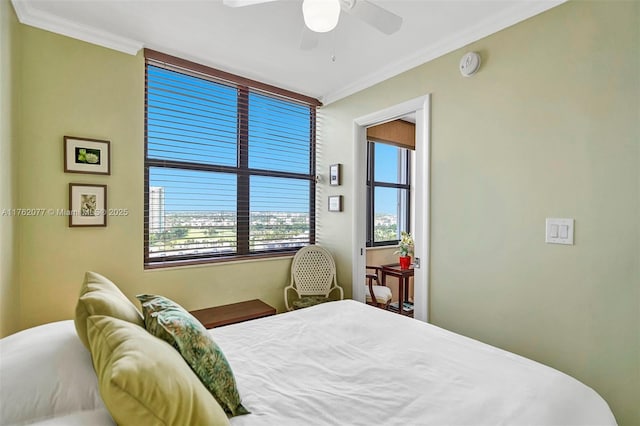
[[236, 312], [403, 276]]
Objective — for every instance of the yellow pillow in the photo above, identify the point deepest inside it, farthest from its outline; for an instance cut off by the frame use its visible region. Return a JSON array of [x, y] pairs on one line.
[[99, 296], [144, 381]]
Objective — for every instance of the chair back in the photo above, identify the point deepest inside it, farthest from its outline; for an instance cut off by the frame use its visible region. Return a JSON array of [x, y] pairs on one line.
[[313, 271]]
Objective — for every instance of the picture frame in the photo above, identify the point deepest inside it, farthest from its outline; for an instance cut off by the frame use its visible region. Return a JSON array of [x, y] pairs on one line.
[[87, 205], [84, 155], [334, 175], [335, 203]]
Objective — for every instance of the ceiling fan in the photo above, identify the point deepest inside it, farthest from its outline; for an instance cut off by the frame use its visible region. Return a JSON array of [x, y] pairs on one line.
[[322, 15]]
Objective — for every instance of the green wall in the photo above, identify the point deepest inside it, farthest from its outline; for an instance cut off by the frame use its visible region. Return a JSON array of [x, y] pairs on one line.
[[9, 59], [74, 88], [549, 127]]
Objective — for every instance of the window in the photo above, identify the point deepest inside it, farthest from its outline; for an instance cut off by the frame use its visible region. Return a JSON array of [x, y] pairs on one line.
[[229, 166], [388, 193]]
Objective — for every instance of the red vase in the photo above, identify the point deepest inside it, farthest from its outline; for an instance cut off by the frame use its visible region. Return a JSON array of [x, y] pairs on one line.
[[405, 262]]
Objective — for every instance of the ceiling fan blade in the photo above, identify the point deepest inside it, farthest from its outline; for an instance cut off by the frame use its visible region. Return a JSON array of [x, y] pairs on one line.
[[374, 15], [308, 39], [242, 3]]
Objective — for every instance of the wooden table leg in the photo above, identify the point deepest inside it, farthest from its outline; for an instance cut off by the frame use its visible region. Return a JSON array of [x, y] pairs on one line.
[[406, 289], [400, 294]]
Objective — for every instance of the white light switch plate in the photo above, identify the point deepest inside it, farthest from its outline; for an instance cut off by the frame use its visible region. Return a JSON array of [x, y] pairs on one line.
[[559, 231]]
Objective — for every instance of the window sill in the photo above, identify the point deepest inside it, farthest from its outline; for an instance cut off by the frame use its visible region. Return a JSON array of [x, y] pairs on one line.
[[389, 247], [194, 263]]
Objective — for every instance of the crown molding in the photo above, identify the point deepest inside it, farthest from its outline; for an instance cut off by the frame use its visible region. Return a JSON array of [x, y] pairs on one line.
[[36, 18], [520, 12]]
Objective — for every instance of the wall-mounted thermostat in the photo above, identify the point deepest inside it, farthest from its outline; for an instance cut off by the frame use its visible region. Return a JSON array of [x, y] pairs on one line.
[[469, 64]]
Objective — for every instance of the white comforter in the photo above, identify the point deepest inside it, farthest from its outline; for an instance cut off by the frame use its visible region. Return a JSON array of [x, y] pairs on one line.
[[345, 363]]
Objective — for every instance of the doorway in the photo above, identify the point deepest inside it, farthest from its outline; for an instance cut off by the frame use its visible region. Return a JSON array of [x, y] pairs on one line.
[[421, 108]]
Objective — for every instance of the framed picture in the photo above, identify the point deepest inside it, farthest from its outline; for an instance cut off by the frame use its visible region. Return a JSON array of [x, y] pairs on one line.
[[87, 205], [335, 203], [334, 174], [82, 155]]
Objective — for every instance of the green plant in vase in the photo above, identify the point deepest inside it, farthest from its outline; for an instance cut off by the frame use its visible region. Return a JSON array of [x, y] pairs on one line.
[[405, 249]]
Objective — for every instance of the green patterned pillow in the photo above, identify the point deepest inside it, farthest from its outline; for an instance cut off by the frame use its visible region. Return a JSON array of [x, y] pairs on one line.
[[171, 322]]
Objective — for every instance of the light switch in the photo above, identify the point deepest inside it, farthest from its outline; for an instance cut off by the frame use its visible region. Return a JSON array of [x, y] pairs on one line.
[[559, 231], [564, 231]]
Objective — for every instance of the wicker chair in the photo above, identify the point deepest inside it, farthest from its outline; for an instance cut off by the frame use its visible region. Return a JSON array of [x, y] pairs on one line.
[[313, 278], [377, 295]]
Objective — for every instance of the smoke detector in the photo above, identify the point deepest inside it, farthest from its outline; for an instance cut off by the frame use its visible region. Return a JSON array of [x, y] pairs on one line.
[[469, 64]]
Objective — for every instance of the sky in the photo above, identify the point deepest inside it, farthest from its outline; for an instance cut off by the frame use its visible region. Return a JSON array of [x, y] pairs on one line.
[[195, 120], [386, 170]]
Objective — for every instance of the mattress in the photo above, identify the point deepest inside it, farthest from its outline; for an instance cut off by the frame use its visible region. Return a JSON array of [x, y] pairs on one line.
[[339, 363], [351, 364]]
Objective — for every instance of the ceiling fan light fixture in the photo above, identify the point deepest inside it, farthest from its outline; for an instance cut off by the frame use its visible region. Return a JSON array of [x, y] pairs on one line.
[[321, 16]]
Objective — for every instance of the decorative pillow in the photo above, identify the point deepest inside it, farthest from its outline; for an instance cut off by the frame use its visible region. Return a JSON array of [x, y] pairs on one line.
[[171, 322], [144, 381], [45, 372], [99, 296]]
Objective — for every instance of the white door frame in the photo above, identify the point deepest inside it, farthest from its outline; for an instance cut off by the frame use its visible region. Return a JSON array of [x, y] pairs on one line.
[[422, 108]]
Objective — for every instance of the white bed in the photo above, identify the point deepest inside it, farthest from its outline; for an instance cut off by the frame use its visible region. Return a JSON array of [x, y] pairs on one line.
[[340, 363], [348, 363]]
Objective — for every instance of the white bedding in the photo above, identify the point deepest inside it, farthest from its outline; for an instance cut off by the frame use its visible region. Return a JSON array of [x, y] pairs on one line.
[[346, 363], [340, 363], [46, 378]]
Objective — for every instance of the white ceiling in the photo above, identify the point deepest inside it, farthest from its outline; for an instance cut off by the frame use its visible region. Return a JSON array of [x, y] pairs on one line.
[[262, 42]]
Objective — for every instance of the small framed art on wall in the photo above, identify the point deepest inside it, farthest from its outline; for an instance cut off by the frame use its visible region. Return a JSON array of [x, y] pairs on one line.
[[82, 155], [87, 205]]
